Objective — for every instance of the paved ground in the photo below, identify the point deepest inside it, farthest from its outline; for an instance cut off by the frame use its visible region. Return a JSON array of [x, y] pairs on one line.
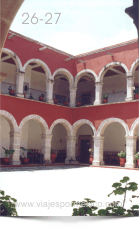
[[49, 191]]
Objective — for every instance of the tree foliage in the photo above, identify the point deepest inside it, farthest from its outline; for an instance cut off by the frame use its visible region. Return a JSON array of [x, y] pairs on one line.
[[114, 208], [7, 205]]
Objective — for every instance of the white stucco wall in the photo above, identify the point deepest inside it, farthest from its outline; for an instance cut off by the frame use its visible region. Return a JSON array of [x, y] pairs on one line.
[[61, 87], [84, 88], [31, 135], [10, 70], [4, 135], [59, 132], [24, 136], [114, 138], [115, 83]]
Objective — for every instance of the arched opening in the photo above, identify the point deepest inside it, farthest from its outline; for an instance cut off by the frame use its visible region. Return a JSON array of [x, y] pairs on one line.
[[114, 85], [85, 90], [59, 143], [114, 142], [136, 81], [85, 143], [4, 135], [31, 139], [61, 93], [8, 72], [35, 82]]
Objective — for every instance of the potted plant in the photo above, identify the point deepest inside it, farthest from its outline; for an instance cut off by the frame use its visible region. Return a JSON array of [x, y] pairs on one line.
[[122, 158], [41, 97], [79, 103], [137, 158], [66, 102], [11, 91], [7, 153], [55, 101], [26, 89], [91, 156], [136, 93], [30, 96], [53, 156], [23, 156], [105, 98]]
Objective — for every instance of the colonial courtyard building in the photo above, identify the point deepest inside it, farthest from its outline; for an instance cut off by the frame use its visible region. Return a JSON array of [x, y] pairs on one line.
[[51, 100]]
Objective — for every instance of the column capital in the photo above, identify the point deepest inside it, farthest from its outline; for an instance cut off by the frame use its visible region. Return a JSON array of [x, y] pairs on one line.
[[47, 136], [21, 73], [99, 83], [15, 134], [72, 138], [50, 81], [98, 138], [73, 88], [131, 137], [129, 75]]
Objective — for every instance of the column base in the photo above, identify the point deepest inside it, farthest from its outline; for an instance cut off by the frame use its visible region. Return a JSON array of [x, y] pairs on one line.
[[47, 162], [16, 163], [50, 101], [97, 163], [69, 161], [129, 165], [97, 103], [128, 99], [20, 95]]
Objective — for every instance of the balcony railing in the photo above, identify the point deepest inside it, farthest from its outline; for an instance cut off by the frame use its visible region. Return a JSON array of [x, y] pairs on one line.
[[86, 101], [4, 87], [60, 99], [116, 97], [35, 93]]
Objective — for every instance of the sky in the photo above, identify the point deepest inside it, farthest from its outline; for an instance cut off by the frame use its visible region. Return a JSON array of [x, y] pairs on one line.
[[82, 26]]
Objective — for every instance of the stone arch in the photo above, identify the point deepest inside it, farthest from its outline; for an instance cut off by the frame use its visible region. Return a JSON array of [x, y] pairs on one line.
[[134, 65], [65, 123], [11, 120], [42, 64], [107, 67], [106, 122], [65, 72], [81, 73], [15, 57], [81, 122], [133, 127], [38, 119]]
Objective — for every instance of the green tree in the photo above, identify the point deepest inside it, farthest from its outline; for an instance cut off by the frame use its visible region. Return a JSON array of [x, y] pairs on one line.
[[7, 205]]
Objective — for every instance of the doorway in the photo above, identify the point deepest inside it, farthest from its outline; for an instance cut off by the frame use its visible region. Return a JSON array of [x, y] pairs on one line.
[[85, 154]]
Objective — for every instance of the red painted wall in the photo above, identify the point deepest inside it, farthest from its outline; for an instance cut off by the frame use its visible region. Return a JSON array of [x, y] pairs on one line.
[[26, 50], [125, 54], [128, 112], [20, 108]]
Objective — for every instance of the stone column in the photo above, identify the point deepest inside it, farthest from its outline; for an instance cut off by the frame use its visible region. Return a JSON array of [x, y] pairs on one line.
[[15, 139], [130, 84], [49, 90], [71, 149], [98, 93], [46, 147], [98, 151], [73, 91], [19, 83], [130, 151]]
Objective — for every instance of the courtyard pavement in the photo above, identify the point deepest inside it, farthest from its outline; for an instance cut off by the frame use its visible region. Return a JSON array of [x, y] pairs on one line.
[[49, 191]]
